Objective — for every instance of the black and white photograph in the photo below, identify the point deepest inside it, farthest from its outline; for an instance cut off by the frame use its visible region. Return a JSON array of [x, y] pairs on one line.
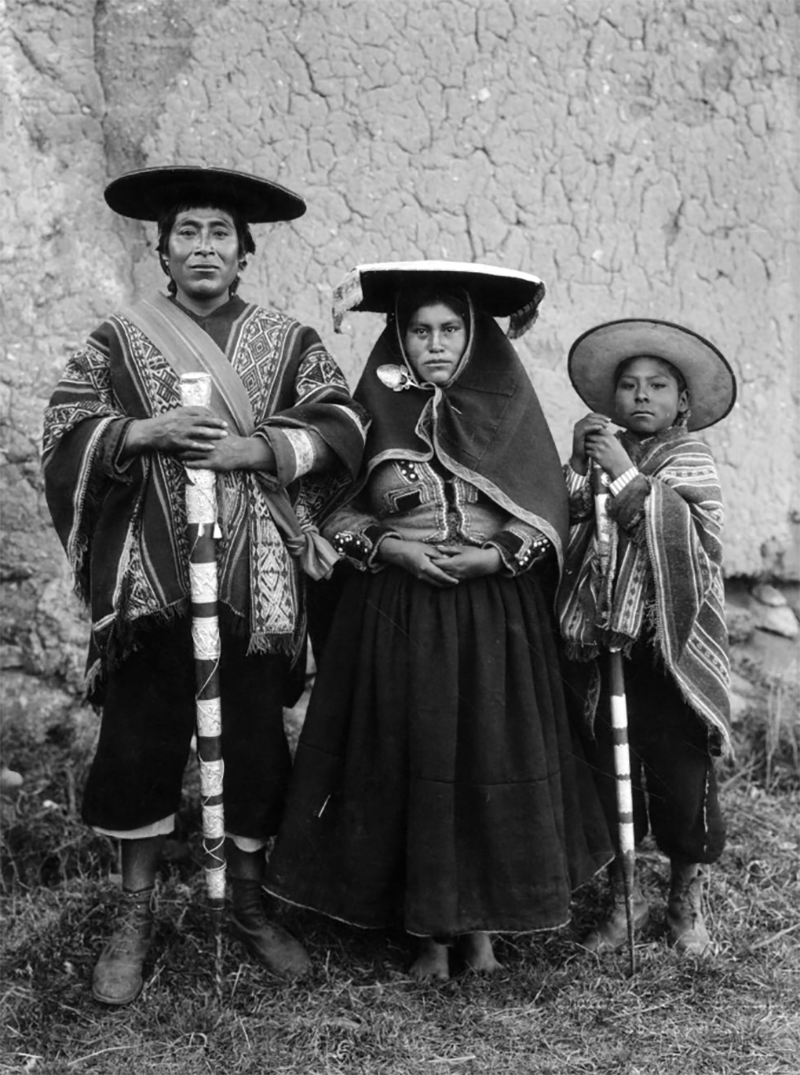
[[400, 519]]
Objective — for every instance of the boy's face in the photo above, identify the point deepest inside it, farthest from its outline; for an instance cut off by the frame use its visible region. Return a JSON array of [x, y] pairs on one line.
[[648, 397]]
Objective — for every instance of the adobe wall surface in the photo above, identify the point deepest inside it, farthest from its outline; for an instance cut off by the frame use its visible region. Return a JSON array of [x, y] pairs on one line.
[[640, 156]]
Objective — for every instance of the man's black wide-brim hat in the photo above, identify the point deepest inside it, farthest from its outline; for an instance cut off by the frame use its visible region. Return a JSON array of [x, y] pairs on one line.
[[148, 193]]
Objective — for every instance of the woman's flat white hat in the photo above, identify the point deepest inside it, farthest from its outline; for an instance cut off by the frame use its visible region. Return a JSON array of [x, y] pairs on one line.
[[498, 292], [595, 356]]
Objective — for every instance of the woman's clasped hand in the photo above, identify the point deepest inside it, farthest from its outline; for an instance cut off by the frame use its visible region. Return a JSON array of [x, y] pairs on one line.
[[440, 565]]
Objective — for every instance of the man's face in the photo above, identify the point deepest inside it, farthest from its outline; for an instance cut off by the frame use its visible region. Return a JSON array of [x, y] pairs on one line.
[[203, 257]]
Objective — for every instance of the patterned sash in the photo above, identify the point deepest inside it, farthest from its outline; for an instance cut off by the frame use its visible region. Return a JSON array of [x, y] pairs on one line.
[[189, 349]]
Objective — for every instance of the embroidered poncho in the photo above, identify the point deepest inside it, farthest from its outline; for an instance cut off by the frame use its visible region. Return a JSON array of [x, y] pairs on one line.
[[124, 525], [665, 571]]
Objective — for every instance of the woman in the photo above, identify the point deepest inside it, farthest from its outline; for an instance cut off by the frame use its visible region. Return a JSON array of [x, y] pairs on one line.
[[435, 784]]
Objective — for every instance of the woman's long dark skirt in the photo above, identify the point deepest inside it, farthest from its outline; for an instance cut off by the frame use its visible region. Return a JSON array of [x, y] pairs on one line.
[[437, 785]]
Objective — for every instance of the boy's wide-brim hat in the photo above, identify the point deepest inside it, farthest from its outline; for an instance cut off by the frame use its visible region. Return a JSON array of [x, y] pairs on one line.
[[498, 292], [148, 193], [595, 356]]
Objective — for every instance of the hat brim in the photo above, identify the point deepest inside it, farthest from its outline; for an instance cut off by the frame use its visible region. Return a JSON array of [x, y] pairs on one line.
[[150, 192], [595, 356], [498, 292]]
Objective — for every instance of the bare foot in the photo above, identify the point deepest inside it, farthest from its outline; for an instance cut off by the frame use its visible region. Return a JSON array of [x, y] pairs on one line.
[[431, 961], [478, 954]]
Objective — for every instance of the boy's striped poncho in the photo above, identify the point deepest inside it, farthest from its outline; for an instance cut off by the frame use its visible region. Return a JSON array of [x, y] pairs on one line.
[[665, 572]]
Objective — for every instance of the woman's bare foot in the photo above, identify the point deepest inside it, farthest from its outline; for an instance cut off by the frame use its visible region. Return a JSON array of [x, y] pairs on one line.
[[431, 962], [477, 952]]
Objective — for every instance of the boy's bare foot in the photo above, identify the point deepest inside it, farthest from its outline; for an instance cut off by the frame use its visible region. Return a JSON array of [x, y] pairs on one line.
[[478, 954], [431, 962]]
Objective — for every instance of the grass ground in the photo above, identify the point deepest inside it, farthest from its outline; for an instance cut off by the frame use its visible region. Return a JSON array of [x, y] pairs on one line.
[[554, 1010]]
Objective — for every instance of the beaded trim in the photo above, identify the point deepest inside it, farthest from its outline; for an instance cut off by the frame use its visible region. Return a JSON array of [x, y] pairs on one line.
[[355, 546]]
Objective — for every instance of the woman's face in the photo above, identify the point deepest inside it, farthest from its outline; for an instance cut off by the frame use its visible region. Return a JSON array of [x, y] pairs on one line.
[[648, 397], [435, 339], [203, 257]]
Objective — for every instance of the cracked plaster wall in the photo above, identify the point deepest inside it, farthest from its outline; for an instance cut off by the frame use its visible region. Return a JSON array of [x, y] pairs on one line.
[[637, 155]]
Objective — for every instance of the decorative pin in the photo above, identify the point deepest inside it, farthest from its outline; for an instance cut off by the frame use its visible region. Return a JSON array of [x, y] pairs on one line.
[[395, 377]]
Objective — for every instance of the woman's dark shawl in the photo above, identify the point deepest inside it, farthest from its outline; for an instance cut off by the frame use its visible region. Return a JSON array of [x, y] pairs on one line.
[[486, 427]]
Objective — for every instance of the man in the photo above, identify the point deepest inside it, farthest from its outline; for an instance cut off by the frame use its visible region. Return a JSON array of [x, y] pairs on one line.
[[282, 435]]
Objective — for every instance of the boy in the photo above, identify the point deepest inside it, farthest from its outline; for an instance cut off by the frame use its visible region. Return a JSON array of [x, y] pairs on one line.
[[662, 599]]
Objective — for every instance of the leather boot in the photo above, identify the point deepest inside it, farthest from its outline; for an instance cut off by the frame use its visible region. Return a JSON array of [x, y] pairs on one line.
[[272, 945], [612, 933], [685, 909], [117, 977]]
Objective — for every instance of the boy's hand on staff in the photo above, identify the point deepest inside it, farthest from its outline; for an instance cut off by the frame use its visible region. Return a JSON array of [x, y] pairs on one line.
[[417, 558], [591, 423], [603, 448]]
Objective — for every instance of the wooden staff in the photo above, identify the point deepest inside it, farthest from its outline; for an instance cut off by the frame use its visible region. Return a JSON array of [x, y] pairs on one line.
[[619, 709], [201, 516]]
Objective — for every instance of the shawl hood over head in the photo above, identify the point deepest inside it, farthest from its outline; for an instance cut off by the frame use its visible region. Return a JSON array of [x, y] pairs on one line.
[[485, 425]]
